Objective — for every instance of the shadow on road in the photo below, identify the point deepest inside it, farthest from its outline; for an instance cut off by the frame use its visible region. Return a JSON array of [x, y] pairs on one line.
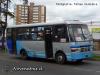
[[51, 61]]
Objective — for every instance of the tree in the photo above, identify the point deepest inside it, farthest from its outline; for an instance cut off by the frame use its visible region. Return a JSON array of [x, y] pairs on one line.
[[4, 9], [25, 1]]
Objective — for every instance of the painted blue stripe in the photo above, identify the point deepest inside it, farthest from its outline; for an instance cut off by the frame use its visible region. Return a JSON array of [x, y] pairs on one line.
[[18, 46], [31, 53], [79, 55], [78, 46], [75, 46], [40, 54], [10, 46]]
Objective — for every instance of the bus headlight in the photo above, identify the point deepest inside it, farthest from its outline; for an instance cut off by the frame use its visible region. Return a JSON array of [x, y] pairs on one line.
[[75, 49]]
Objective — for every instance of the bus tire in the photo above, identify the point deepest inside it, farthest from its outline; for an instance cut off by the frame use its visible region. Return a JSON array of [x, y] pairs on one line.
[[23, 54], [60, 58]]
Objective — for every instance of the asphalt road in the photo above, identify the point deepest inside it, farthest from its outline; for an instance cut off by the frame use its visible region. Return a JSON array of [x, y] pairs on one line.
[[10, 65]]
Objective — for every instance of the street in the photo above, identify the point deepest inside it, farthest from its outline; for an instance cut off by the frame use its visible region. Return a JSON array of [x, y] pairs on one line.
[[58, 29], [49, 67]]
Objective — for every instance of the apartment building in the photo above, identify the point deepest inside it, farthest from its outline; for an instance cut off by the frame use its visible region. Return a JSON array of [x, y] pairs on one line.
[[30, 14], [22, 14]]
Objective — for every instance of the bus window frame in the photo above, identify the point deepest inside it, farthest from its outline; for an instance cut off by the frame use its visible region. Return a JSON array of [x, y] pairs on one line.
[[70, 25], [30, 31], [65, 33]]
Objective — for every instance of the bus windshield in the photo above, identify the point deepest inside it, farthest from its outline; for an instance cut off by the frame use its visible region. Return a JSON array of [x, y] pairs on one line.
[[79, 33]]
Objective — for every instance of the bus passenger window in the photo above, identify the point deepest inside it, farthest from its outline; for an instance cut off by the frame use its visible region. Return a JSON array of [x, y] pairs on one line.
[[23, 34], [59, 34], [37, 33], [40, 35], [33, 36]]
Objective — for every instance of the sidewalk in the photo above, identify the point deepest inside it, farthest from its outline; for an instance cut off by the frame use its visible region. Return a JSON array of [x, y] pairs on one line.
[[2, 53]]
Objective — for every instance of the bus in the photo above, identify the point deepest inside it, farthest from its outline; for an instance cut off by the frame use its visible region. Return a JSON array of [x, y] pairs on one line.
[[61, 41]]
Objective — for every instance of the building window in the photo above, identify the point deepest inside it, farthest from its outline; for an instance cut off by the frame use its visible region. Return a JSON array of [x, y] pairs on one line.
[[26, 11], [35, 13], [35, 8]]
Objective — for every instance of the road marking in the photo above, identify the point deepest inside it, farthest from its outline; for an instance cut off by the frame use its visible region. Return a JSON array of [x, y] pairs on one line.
[[88, 70], [98, 71], [83, 69]]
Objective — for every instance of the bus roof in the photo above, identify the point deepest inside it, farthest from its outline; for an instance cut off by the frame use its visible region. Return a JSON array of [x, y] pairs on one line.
[[43, 24]]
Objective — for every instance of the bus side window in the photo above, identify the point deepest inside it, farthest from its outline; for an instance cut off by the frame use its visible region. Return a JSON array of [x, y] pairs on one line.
[[59, 33], [33, 33], [22, 34], [40, 35], [33, 36], [36, 33]]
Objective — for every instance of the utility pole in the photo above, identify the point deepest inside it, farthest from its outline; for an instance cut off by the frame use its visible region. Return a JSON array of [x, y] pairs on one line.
[[0, 6], [6, 14], [5, 25], [91, 22], [0, 11]]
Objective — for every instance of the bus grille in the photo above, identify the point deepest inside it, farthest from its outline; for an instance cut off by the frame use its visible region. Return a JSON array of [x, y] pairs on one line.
[[84, 49]]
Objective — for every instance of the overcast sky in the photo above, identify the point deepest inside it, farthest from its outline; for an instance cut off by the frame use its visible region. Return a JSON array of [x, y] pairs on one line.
[[69, 12]]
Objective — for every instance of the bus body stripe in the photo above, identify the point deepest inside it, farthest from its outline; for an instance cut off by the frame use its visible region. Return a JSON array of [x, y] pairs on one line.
[[31, 53]]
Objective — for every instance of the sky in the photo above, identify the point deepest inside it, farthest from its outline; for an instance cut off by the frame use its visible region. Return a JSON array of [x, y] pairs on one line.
[[60, 12]]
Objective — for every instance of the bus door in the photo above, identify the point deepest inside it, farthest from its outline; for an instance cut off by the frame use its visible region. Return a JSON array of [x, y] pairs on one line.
[[14, 40], [48, 42]]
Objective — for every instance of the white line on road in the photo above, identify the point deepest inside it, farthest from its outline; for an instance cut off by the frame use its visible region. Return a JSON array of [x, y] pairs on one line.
[[88, 70], [82, 69], [98, 71]]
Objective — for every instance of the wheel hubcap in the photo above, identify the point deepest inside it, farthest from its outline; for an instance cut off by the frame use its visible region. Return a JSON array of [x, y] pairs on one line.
[[23, 55], [60, 58]]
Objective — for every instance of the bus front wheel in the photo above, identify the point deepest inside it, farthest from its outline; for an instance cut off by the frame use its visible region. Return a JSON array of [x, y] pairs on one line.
[[23, 54], [60, 58]]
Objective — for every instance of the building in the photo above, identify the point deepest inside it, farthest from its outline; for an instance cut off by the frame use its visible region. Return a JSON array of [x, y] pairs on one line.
[[95, 30], [22, 14], [30, 13], [37, 13]]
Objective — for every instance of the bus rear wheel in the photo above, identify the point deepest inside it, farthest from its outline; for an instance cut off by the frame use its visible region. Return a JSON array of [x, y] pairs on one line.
[[60, 58], [23, 54]]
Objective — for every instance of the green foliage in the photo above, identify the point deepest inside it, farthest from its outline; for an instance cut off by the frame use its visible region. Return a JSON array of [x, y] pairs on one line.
[[96, 57], [10, 14], [96, 30], [2, 1], [7, 12]]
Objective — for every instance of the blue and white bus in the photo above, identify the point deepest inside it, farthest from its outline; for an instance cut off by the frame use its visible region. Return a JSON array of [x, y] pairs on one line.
[[63, 41]]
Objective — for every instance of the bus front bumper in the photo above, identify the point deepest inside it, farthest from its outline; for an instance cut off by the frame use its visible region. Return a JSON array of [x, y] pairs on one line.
[[79, 56]]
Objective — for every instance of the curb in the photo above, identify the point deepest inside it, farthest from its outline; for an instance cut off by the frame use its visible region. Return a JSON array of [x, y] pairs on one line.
[[95, 59]]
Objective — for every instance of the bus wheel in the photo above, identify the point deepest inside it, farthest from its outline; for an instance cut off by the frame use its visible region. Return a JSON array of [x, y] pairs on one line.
[[60, 58], [23, 54]]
